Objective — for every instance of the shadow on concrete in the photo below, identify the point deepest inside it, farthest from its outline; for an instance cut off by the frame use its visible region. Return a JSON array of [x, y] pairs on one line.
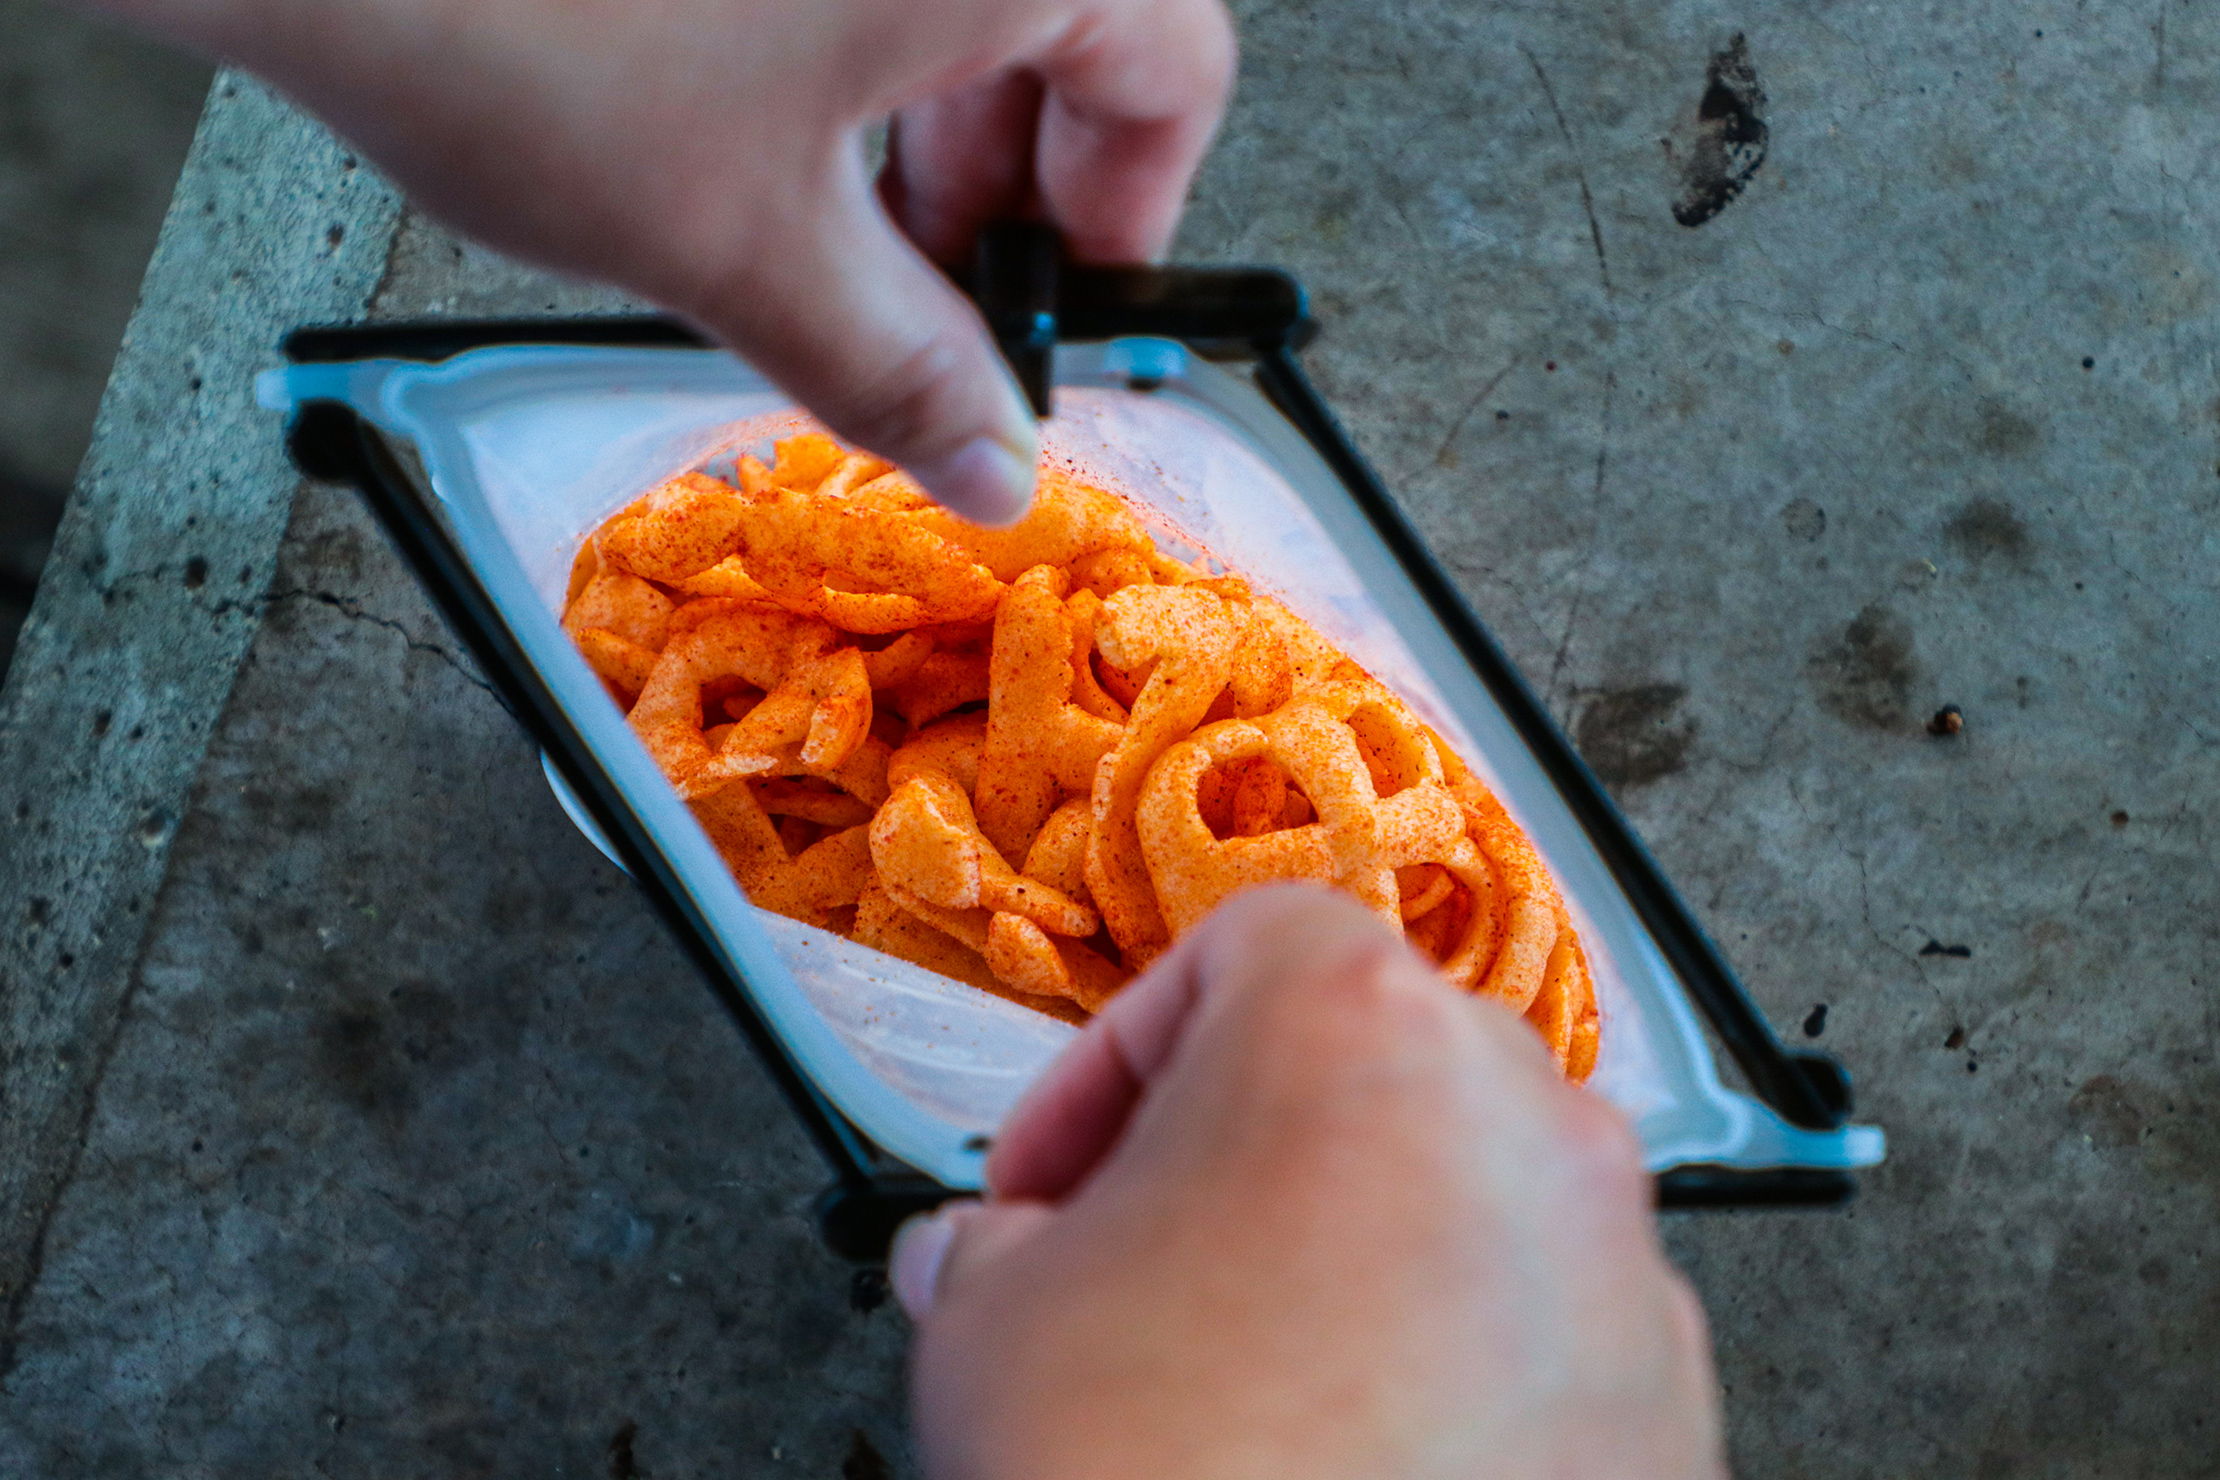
[[29, 512], [94, 124]]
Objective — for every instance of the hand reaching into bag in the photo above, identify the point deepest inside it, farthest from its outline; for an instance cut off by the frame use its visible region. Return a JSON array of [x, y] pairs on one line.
[[1293, 1207], [708, 155]]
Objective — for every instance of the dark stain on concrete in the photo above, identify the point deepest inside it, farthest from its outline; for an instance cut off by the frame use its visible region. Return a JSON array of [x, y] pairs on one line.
[[2069, 1399], [622, 1464], [2181, 1142], [2004, 432], [1804, 520], [369, 1053], [864, 1462], [426, 1017], [338, 554], [2104, 1110], [299, 810], [2169, 1124], [1865, 677], [868, 1289], [350, 1048], [212, 1393], [1730, 137], [1988, 529], [1630, 737]]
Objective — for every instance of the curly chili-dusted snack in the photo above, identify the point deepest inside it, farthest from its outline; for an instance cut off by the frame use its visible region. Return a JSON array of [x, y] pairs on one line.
[[1030, 758]]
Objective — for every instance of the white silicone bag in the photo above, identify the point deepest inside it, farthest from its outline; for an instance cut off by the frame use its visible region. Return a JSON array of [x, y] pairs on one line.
[[529, 448]]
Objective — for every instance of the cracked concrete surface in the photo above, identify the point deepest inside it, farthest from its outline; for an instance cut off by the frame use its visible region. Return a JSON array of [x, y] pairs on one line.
[[139, 626], [365, 1197], [391, 1168], [352, 609]]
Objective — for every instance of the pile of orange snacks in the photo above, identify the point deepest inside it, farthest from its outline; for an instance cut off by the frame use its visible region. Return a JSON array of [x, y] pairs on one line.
[[1029, 758]]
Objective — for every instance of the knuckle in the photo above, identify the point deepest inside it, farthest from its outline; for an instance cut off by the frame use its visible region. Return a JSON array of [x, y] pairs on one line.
[[911, 404], [1321, 965], [1277, 913], [1375, 993]]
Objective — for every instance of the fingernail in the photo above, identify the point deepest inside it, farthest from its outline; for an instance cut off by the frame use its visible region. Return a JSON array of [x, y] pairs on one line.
[[985, 481], [920, 1246]]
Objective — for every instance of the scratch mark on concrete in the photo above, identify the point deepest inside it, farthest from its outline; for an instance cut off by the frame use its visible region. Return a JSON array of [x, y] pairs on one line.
[[1564, 646], [353, 610], [1595, 511], [2158, 72], [1485, 391], [1813, 316], [1603, 435], [1865, 906], [1595, 500], [1832, 832], [1580, 169], [1466, 567], [1761, 766]]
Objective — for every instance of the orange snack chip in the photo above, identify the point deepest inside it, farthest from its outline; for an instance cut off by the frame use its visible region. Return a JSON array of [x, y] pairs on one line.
[[808, 886], [813, 717], [1187, 638], [621, 623], [1030, 758], [681, 529], [862, 568], [1040, 746], [1067, 523]]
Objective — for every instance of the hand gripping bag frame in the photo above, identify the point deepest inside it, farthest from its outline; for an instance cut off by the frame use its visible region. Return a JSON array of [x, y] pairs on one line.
[[489, 451]]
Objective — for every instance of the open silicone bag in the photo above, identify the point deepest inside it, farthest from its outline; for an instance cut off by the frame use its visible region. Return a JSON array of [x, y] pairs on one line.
[[490, 451]]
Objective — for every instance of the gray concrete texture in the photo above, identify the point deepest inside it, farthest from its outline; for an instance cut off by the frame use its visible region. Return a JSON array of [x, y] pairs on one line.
[[93, 126], [416, 1150], [94, 123]]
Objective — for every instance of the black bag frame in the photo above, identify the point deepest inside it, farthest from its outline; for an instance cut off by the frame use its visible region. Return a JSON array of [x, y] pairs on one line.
[[1031, 301]]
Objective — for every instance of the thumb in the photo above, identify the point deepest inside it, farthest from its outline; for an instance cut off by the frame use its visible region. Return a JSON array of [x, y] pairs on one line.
[[935, 1249], [835, 305]]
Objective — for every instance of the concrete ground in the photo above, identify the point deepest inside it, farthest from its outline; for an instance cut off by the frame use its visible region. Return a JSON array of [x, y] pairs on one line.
[[1766, 395], [94, 124]]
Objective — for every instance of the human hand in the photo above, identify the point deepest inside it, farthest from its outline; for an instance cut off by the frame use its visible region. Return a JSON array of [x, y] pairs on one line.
[[1290, 1207], [709, 155]]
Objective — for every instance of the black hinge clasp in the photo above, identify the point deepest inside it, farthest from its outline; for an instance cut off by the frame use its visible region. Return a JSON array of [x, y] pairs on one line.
[[1031, 298]]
